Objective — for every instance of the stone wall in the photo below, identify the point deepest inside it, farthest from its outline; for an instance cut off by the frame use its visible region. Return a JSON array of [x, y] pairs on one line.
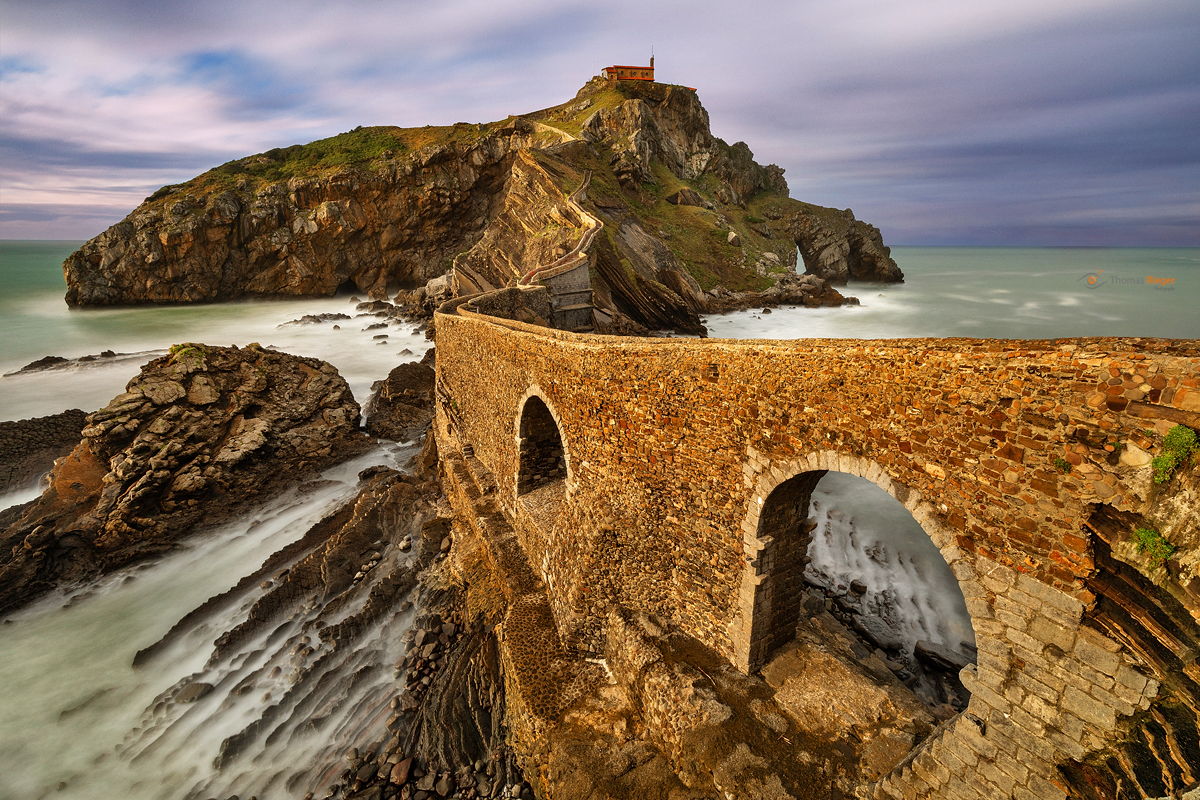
[[997, 448]]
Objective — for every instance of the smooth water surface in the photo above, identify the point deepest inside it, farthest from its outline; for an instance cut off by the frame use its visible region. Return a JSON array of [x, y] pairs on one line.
[[1005, 293]]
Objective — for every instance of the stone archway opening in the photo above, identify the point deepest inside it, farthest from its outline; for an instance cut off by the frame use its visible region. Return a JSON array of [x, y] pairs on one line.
[[842, 551], [542, 457]]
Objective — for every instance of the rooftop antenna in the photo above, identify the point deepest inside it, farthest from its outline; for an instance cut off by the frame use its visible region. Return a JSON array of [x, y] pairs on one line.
[[651, 56]]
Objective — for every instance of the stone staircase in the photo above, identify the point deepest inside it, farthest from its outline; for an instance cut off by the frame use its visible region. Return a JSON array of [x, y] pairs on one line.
[[568, 278]]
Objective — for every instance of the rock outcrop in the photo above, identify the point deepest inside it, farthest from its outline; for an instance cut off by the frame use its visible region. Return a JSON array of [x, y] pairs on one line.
[[840, 248], [401, 406], [196, 434], [668, 124], [795, 290], [29, 447]]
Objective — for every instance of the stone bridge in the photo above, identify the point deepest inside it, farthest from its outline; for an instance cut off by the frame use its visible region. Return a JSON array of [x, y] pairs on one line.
[[673, 476]]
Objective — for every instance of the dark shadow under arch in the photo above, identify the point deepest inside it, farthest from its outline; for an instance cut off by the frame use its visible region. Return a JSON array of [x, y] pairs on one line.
[[783, 525], [542, 458]]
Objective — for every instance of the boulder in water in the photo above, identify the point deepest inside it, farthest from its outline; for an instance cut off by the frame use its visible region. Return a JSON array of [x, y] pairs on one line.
[[197, 434], [402, 405]]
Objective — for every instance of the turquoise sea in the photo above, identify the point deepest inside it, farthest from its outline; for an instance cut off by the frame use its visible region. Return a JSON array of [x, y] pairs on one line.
[[1006, 292]]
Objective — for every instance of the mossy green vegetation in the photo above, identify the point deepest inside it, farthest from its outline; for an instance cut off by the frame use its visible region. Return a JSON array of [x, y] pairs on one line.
[[1062, 465], [1178, 445], [1151, 544], [188, 354], [356, 148]]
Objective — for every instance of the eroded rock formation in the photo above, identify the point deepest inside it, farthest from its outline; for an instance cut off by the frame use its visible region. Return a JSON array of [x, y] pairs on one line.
[[402, 404], [196, 433], [840, 248]]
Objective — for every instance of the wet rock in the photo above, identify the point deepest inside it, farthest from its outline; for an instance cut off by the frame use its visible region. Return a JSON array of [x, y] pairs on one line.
[[193, 692], [29, 447], [317, 319], [401, 771], [402, 404], [878, 632], [44, 363], [940, 657]]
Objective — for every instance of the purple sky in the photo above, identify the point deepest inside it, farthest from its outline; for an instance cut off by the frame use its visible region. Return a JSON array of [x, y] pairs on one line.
[[988, 122]]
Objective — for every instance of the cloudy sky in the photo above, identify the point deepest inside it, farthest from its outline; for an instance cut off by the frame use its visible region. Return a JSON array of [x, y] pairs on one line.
[[980, 122]]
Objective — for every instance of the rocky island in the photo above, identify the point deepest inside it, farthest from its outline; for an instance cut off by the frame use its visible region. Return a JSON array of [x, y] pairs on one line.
[[689, 223]]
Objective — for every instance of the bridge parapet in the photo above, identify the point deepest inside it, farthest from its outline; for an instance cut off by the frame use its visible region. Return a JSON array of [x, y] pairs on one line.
[[997, 447]]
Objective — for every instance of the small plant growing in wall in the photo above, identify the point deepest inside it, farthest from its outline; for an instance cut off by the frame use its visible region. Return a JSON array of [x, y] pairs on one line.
[[1151, 543], [1062, 465], [1178, 445]]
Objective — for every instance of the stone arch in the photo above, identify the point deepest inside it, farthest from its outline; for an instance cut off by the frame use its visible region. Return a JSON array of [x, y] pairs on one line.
[[542, 452], [776, 538]]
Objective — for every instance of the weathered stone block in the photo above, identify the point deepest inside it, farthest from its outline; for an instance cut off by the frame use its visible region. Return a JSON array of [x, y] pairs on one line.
[[1046, 630], [1050, 595], [1131, 678], [1099, 659], [1088, 709]]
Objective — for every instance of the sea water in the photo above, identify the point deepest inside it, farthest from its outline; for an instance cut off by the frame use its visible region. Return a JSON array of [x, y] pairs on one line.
[[35, 322], [69, 697], [1004, 293]]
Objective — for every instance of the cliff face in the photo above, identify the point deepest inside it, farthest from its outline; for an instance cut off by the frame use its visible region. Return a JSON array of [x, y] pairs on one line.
[[393, 220], [379, 210]]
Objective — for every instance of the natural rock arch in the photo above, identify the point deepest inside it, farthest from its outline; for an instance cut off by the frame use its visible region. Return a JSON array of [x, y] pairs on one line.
[[542, 453], [776, 540]]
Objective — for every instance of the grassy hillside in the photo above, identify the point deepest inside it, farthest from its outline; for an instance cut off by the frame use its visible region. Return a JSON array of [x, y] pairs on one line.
[[357, 148]]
